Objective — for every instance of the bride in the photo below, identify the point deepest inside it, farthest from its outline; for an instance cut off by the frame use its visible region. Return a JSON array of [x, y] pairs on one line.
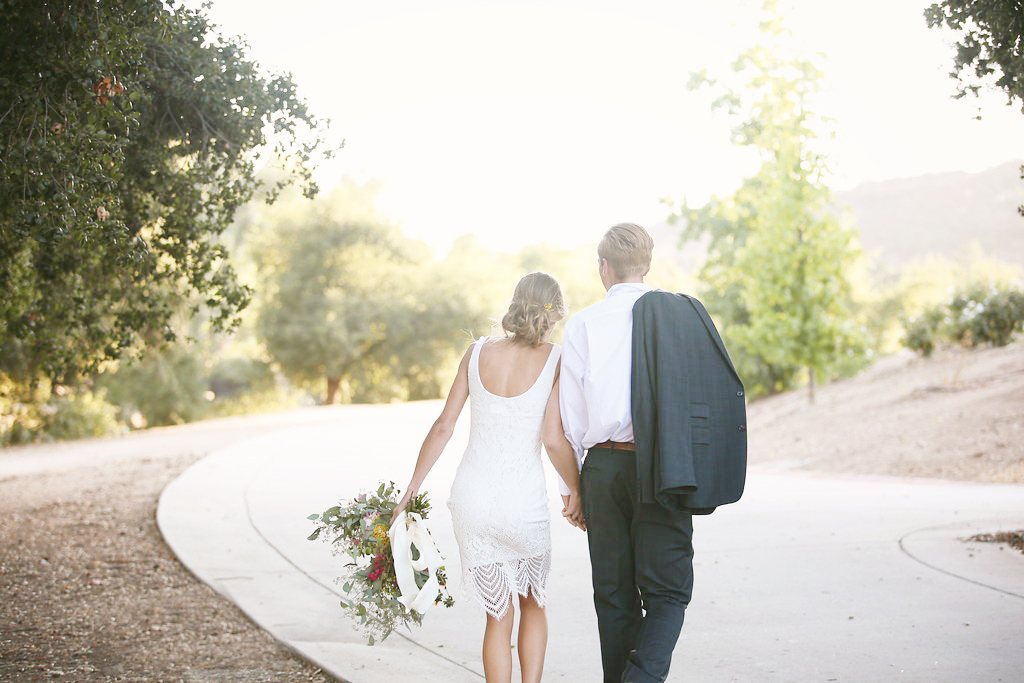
[[498, 500]]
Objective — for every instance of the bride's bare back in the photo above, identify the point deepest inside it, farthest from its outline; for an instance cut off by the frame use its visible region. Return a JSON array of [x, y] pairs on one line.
[[509, 369]]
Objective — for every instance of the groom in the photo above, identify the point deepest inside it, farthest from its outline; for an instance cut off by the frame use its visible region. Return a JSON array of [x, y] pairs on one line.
[[639, 527]]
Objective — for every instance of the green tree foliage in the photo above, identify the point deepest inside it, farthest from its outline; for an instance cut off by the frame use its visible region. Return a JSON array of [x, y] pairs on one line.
[[776, 272], [575, 270], [489, 277], [351, 302], [127, 138], [991, 44], [992, 35]]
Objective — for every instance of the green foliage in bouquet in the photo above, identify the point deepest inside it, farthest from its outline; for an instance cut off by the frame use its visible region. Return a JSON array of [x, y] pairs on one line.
[[359, 529]]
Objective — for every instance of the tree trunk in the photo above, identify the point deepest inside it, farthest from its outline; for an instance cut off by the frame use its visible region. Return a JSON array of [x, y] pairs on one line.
[[810, 384], [333, 384]]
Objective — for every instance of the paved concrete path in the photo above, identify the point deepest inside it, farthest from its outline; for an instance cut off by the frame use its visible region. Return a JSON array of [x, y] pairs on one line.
[[808, 578]]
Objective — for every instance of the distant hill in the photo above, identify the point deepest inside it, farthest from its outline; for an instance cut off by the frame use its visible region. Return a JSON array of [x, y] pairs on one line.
[[907, 218]]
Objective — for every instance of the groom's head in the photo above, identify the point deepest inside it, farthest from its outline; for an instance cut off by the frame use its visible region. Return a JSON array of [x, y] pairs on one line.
[[624, 254]]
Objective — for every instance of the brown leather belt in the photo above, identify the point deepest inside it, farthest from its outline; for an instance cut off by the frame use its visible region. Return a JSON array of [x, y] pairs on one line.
[[615, 445]]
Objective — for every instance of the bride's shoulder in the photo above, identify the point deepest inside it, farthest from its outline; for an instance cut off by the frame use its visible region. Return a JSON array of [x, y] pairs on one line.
[[480, 342]]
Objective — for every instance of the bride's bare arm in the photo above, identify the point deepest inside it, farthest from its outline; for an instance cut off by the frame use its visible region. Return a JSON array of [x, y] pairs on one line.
[[440, 432], [561, 455]]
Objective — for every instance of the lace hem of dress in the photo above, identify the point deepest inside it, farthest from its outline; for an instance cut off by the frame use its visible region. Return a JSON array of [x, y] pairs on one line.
[[495, 584]]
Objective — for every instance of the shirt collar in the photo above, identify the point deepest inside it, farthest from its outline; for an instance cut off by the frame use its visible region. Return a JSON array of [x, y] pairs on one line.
[[624, 287]]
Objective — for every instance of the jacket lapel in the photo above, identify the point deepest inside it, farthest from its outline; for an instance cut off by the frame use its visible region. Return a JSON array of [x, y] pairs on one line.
[[713, 331]]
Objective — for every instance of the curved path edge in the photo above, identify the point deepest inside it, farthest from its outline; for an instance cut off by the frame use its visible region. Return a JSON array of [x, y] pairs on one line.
[[204, 518], [819, 577]]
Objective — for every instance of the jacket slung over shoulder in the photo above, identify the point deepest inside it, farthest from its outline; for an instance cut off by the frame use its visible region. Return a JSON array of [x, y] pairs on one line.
[[688, 407]]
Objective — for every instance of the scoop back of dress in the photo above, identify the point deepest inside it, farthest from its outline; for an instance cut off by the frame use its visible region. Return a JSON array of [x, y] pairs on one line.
[[499, 500]]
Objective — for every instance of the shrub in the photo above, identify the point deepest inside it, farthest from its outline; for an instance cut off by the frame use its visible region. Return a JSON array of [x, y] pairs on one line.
[[19, 423], [233, 377], [976, 315], [167, 387], [986, 315], [924, 332], [20, 417], [271, 400], [81, 415]]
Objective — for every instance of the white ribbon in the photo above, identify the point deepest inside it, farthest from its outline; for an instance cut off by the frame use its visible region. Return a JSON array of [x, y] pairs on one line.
[[407, 530]]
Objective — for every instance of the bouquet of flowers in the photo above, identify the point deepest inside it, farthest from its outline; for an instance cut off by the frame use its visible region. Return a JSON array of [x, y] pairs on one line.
[[380, 596]]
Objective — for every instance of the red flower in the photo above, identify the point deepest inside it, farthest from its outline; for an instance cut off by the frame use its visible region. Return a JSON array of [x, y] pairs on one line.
[[380, 565]]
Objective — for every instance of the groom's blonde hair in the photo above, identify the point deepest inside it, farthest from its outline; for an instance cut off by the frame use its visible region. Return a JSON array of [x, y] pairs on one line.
[[628, 248]]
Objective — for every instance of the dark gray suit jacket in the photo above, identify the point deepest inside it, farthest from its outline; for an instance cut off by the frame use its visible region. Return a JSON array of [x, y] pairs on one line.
[[688, 407]]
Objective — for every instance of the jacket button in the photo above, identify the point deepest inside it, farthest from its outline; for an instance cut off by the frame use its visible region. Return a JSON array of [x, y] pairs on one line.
[[743, 428], [739, 393]]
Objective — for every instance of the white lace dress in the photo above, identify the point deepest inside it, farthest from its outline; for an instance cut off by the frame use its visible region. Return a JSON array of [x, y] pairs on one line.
[[499, 500]]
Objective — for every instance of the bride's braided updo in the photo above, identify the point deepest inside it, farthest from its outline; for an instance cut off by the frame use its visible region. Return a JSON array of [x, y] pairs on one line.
[[536, 306]]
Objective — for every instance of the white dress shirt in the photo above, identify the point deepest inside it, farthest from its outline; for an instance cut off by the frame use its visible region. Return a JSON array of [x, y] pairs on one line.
[[597, 360]]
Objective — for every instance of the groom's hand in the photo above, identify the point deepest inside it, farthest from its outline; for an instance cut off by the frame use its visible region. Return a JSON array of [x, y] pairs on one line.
[[572, 510]]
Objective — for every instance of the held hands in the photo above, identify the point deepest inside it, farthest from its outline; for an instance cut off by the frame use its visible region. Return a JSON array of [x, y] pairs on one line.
[[573, 510]]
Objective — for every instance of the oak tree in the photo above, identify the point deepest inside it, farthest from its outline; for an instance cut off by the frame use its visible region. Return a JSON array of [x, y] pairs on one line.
[[129, 135], [990, 44], [349, 302]]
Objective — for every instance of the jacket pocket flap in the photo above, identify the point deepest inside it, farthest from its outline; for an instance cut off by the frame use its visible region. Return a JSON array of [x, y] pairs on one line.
[[700, 435]]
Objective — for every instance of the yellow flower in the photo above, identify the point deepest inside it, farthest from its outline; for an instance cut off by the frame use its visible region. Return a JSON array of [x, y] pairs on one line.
[[380, 532]]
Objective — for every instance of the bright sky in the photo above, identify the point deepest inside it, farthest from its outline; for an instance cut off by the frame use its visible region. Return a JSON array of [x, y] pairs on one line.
[[550, 121]]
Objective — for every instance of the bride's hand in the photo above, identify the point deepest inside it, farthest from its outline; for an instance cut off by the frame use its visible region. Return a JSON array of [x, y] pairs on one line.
[[401, 505]]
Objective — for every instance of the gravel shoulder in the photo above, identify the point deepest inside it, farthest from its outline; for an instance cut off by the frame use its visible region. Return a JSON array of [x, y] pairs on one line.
[[91, 592]]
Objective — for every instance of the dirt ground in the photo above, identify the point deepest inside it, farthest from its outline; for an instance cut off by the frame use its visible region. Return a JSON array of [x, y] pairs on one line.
[[91, 593], [90, 590], [958, 415]]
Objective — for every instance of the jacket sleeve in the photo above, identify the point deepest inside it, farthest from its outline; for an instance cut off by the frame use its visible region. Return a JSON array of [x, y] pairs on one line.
[[688, 407], [660, 394], [643, 384], [675, 470]]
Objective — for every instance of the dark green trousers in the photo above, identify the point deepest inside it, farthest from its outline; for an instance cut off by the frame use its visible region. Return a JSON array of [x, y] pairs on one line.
[[641, 557]]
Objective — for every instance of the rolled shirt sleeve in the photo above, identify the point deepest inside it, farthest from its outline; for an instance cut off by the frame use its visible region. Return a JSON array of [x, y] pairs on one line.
[[572, 404]]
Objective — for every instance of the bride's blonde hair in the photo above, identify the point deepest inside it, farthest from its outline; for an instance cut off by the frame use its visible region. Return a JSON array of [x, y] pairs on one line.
[[536, 306]]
